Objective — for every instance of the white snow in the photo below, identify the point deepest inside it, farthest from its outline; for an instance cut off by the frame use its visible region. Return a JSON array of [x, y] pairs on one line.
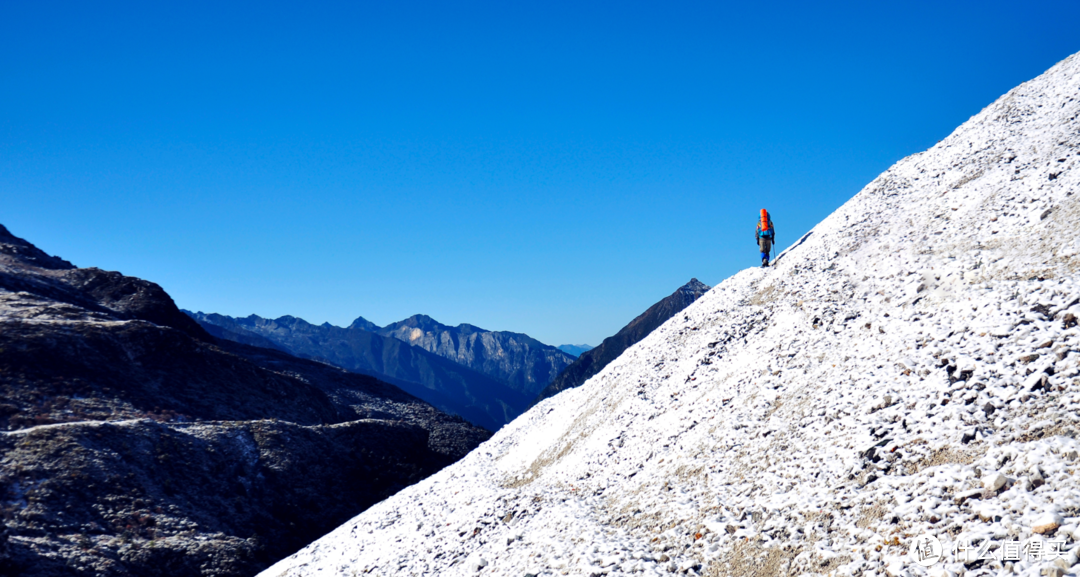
[[814, 417]]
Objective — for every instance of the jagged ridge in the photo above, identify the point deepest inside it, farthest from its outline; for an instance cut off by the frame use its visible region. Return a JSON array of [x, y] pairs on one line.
[[483, 400], [521, 361]]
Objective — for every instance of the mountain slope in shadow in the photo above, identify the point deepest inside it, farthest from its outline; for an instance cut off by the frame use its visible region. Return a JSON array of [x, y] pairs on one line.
[[132, 442]]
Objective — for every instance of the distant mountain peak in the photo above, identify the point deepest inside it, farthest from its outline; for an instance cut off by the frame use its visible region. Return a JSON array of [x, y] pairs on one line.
[[696, 286], [692, 289], [575, 350], [421, 320], [364, 325], [289, 320]]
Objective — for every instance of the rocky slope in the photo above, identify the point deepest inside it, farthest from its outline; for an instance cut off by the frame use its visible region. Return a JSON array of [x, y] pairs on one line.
[[594, 360], [910, 367], [523, 362], [134, 443], [483, 400]]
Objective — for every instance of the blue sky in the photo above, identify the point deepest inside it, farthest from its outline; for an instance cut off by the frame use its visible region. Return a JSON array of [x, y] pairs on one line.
[[549, 168]]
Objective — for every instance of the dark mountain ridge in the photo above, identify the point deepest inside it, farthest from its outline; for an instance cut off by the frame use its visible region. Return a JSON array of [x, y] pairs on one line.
[[136, 443], [594, 360]]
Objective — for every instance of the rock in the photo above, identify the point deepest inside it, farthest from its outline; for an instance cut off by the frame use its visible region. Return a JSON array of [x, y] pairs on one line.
[[1053, 571], [1069, 559], [1029, 358], [886, 402], [1069, 321], [1047, 523], [989, 409], [961, 498], [988, 511], [1035, 382], [1035, 478], [871, 455], [1071, 454], [1001, 331], [994, 481], [475, 564]]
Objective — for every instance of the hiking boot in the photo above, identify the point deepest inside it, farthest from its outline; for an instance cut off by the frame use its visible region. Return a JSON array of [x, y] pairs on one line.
[[764, 262]]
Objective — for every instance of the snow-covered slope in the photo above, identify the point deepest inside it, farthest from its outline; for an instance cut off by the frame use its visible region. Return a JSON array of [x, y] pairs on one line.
[[814, 417]]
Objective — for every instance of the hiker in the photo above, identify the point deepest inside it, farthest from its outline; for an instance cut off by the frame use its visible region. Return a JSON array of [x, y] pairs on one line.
[[764, 236]]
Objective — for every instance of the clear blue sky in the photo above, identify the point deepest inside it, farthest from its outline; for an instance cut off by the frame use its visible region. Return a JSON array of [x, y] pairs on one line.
[[551, 168]]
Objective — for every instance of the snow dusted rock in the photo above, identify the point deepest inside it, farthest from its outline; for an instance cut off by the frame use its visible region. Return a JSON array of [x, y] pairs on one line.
[[756, 417], [994, 481], [1046, 523], [475, 563]]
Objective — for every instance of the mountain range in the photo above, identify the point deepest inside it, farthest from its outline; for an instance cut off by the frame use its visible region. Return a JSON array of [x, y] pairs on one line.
[[135, 443], [487, 377], [523, 362], [899, 394]]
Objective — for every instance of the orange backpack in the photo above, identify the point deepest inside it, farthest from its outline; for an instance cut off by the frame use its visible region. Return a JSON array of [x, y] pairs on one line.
[[765, 225]]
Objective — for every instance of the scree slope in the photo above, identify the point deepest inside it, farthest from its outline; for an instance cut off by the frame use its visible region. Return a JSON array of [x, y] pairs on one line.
[[908, 367]]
